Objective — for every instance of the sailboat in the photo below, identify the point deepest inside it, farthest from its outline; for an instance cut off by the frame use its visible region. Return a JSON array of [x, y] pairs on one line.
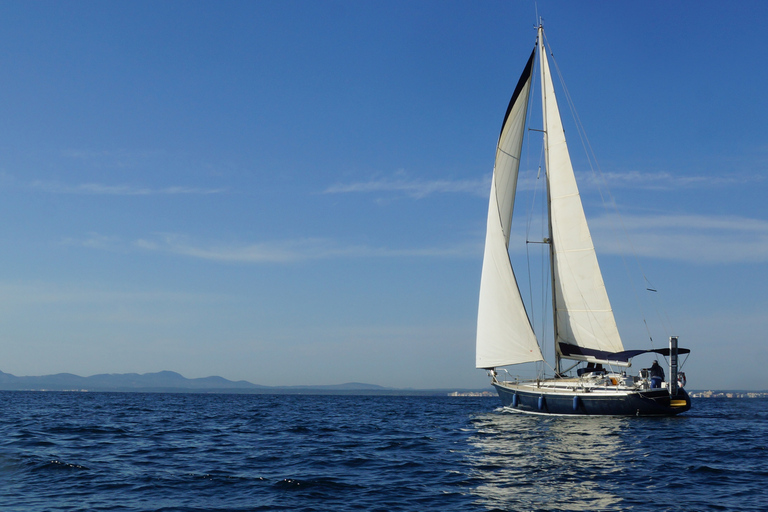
[[585, 330]]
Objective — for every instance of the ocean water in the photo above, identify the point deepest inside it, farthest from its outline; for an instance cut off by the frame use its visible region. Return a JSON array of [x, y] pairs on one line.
[[199, 452]]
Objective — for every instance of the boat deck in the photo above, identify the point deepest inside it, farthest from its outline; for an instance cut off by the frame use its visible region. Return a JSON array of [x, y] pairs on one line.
[[591, 384]]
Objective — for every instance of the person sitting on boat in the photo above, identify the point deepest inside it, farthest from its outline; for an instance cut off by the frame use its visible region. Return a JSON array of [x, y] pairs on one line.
[[657, 375]]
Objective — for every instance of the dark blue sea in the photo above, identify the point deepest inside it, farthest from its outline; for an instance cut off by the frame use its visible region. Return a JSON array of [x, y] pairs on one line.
[[203, 452]]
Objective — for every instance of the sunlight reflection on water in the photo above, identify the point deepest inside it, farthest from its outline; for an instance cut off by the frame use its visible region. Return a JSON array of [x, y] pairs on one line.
[[554, 462]]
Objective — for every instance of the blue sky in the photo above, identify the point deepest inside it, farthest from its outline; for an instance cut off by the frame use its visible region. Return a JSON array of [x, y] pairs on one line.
[[296, 192]]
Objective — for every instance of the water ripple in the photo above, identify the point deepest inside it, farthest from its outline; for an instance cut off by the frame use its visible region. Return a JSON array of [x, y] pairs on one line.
[[164, 452]]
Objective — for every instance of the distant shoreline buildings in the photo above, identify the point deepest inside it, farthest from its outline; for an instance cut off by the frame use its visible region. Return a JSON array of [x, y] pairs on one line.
[[729, 394], [694, 394]]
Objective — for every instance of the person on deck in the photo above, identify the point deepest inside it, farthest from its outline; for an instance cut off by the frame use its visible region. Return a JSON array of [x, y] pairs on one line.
[[657, 375]]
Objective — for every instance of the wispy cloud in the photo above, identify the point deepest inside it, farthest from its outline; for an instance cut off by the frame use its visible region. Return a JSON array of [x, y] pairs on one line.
[[97, 241], [666, 180], [418, 189], [278, 251], [119, 190], [691, 238], [266, 252], [414, 188], [698, 239], [287, 251]]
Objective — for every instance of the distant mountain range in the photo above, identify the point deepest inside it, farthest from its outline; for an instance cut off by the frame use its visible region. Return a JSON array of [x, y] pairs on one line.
[[167, 381], [117, 382]]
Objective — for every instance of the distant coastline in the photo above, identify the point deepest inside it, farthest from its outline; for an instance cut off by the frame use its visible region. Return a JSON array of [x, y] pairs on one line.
[[729, 394], [172, 382]]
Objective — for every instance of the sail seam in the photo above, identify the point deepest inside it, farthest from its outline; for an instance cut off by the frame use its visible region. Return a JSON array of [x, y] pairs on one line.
[[508, 154]]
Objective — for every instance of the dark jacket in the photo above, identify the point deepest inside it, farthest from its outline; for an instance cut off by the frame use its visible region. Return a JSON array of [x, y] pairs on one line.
[[657, 371]]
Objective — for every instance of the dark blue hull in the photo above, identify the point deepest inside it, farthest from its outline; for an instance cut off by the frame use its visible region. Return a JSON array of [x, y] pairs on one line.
[[652, 402]]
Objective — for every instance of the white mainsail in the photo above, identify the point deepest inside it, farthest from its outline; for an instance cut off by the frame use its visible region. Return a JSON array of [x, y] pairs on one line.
[[504, 333], [584, 316]]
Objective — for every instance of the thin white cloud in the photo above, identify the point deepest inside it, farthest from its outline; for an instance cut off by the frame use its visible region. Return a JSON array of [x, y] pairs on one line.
[[287, 251], [690, 238], [119, 190], [419, 189], [268, 252], [97, 241], [694, 223], [666, 180], [414, 188], [696, 239]]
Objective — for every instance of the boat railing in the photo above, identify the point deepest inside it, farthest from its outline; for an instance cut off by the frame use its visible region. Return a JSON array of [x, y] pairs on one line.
[[587, 382]]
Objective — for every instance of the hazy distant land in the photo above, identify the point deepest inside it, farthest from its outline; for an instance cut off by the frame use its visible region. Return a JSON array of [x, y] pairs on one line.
[[172, 382]]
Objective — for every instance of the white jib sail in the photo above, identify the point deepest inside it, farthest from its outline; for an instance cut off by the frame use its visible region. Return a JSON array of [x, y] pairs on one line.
[[584, 315], [504, 333]]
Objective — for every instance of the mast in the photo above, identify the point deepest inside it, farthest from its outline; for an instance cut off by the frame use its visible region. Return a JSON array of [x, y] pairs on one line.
[[673, 365], [540, 41]]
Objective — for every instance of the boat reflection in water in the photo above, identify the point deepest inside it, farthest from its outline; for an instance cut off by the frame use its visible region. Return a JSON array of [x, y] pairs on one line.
[[530, 462]]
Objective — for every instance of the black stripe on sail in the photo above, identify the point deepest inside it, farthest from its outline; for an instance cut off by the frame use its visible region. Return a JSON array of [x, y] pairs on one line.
[[520, 85]]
